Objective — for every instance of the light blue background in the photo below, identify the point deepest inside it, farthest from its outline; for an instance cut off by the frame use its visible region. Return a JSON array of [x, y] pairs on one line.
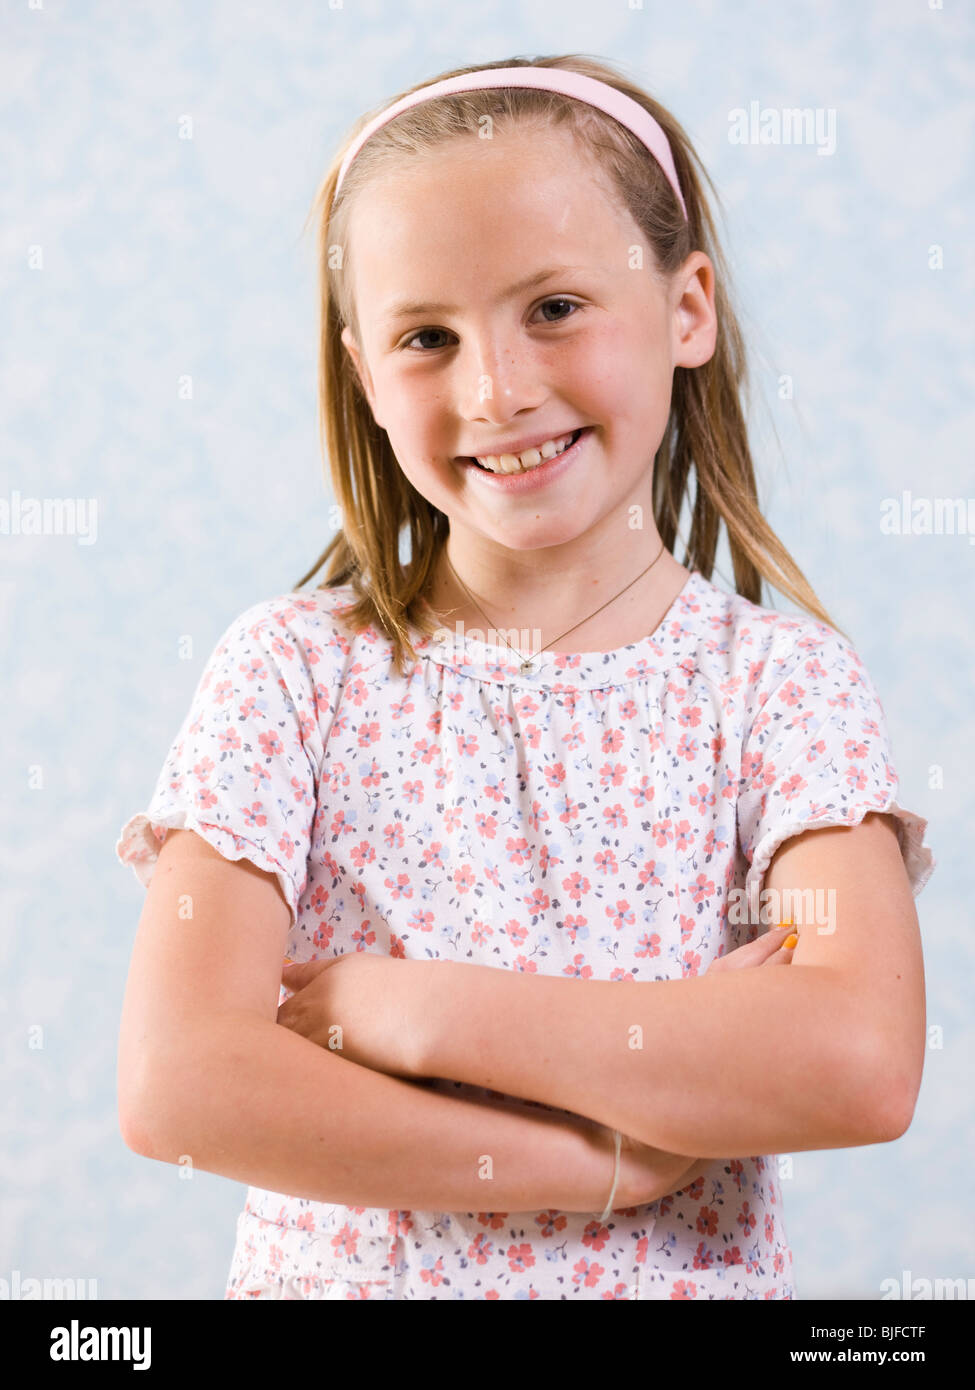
[[165, 256]]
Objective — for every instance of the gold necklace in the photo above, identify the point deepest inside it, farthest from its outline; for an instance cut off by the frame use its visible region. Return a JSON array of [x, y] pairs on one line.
[[526, 662]]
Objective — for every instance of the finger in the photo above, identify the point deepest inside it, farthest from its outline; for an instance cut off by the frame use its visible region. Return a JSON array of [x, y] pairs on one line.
[[298, 974], [784, 955]]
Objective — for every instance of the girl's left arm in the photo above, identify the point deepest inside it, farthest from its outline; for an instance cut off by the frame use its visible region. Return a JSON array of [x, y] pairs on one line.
[[826, 1054]]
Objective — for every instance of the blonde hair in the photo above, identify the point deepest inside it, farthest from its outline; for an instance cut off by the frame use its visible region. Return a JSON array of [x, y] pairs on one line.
[[706, 429]]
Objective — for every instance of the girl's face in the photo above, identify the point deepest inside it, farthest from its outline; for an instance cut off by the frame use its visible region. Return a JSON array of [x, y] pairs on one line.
[[501, 300]]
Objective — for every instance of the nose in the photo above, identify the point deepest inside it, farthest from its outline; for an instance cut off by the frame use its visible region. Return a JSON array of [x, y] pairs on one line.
[[500, 376]]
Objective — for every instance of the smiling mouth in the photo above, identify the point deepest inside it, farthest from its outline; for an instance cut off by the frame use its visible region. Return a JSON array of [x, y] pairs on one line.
[[573, 439]]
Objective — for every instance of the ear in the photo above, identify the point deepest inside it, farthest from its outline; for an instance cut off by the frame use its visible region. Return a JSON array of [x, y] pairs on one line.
[[695, 318], [361, 371]]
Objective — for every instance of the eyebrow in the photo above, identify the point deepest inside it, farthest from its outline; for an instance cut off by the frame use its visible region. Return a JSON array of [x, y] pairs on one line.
[[409, 308]]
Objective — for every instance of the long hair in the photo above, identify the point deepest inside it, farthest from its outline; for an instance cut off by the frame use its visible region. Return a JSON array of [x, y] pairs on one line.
[[706, 430]]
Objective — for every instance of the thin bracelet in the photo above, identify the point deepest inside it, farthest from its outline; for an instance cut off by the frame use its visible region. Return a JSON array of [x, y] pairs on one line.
[[616, 1177]]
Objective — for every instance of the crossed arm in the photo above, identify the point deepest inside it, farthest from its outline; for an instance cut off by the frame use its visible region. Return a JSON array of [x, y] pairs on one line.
[[825, 1054]]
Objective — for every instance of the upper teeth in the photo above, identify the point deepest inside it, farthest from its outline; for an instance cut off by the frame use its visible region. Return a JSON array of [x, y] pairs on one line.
[[518, 463]]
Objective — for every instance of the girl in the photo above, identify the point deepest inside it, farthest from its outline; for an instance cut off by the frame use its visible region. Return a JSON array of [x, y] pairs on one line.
[[528, 796]]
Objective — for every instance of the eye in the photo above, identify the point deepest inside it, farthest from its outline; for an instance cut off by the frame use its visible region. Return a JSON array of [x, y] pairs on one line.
[[423, 332]]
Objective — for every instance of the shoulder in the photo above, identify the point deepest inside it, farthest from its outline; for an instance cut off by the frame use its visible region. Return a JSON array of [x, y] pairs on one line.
[[304, 629], [751, 653]]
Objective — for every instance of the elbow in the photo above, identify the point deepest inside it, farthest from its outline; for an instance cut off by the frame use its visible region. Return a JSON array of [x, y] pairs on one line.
[[885, 1100]]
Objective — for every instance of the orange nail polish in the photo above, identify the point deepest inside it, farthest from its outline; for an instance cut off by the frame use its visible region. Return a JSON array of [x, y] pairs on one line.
[[790, 942]]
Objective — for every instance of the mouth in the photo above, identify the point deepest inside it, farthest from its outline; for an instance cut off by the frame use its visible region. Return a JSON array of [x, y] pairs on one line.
[[529, 478]]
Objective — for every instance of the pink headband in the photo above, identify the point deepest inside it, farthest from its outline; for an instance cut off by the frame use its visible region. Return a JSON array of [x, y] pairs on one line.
[[571, 84]]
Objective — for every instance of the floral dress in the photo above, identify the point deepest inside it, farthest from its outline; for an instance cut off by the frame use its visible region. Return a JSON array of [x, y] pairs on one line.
[[595, 817]]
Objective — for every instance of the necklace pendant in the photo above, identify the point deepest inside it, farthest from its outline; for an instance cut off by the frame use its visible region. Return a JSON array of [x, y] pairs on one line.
[[526, 665]]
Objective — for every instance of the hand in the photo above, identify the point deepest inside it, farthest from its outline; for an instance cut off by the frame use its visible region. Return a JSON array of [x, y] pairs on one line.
[[362, 1006], [646, 1173]]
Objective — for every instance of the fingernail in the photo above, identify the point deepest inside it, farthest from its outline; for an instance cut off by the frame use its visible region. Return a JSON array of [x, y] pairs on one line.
[[790, 942]]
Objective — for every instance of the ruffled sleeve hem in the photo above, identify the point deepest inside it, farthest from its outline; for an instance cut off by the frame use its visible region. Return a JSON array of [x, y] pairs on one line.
[[142, 838], [919, 861]]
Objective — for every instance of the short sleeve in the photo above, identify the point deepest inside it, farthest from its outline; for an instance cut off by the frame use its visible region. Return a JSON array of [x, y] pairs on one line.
[[817, 753], [242, 772]]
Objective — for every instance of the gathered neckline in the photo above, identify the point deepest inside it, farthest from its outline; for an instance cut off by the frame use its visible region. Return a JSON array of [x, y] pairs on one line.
[[669, 645]]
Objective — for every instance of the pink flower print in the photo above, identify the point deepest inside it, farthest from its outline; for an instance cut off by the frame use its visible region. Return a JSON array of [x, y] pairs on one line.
[[569, 809], [815, 751], [463, 878], [707, 1221], [648, 874], [684, 1289], [792, 694], [286, 846], [548, 858], [372, 775], [856, 778], [572, 926], [397, 948], [493, 789], [467, 745], [595, 1235], [643, 792], [620, 1291], [318, 899], [480, 931], [516, 931], [778, 1263], [576, 886], [363, 937], [300, 790], [746, 1218], [605, 862], [222, 692], [261, 776], [205, 798], [690, 964], [305, 1222], [402, 888], [733, 1256], [662, 832], [555, 774], [695, 1190], [282, 649], [341, 826], [612, 741], [615, 817], [202, 770], [368, 733], [648, 945], [737, 1171], [399, 1225], [687, 925], [420, 920], [622, 915], [702, 797], [452, 818], [393, 835], [537, 903], [620, 974], [703, 1257], [362, 853], [701, 888], [229, 741], [769, 1228], [346, 1240], [588, 1274], [611, 775], [792, 787], [322, 935], [577, 970], [550, 1222], [254, 815], [576, 738], [520, 1258], [487, 825], [413, 792], [525, 965], [433, 1274], [494, 1219], [254, 670], [358, 692], [481, 1248], [518, 851], [492, 1293]]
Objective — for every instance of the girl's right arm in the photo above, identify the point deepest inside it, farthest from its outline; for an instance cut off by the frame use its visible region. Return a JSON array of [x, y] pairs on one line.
[[207, 1076]]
